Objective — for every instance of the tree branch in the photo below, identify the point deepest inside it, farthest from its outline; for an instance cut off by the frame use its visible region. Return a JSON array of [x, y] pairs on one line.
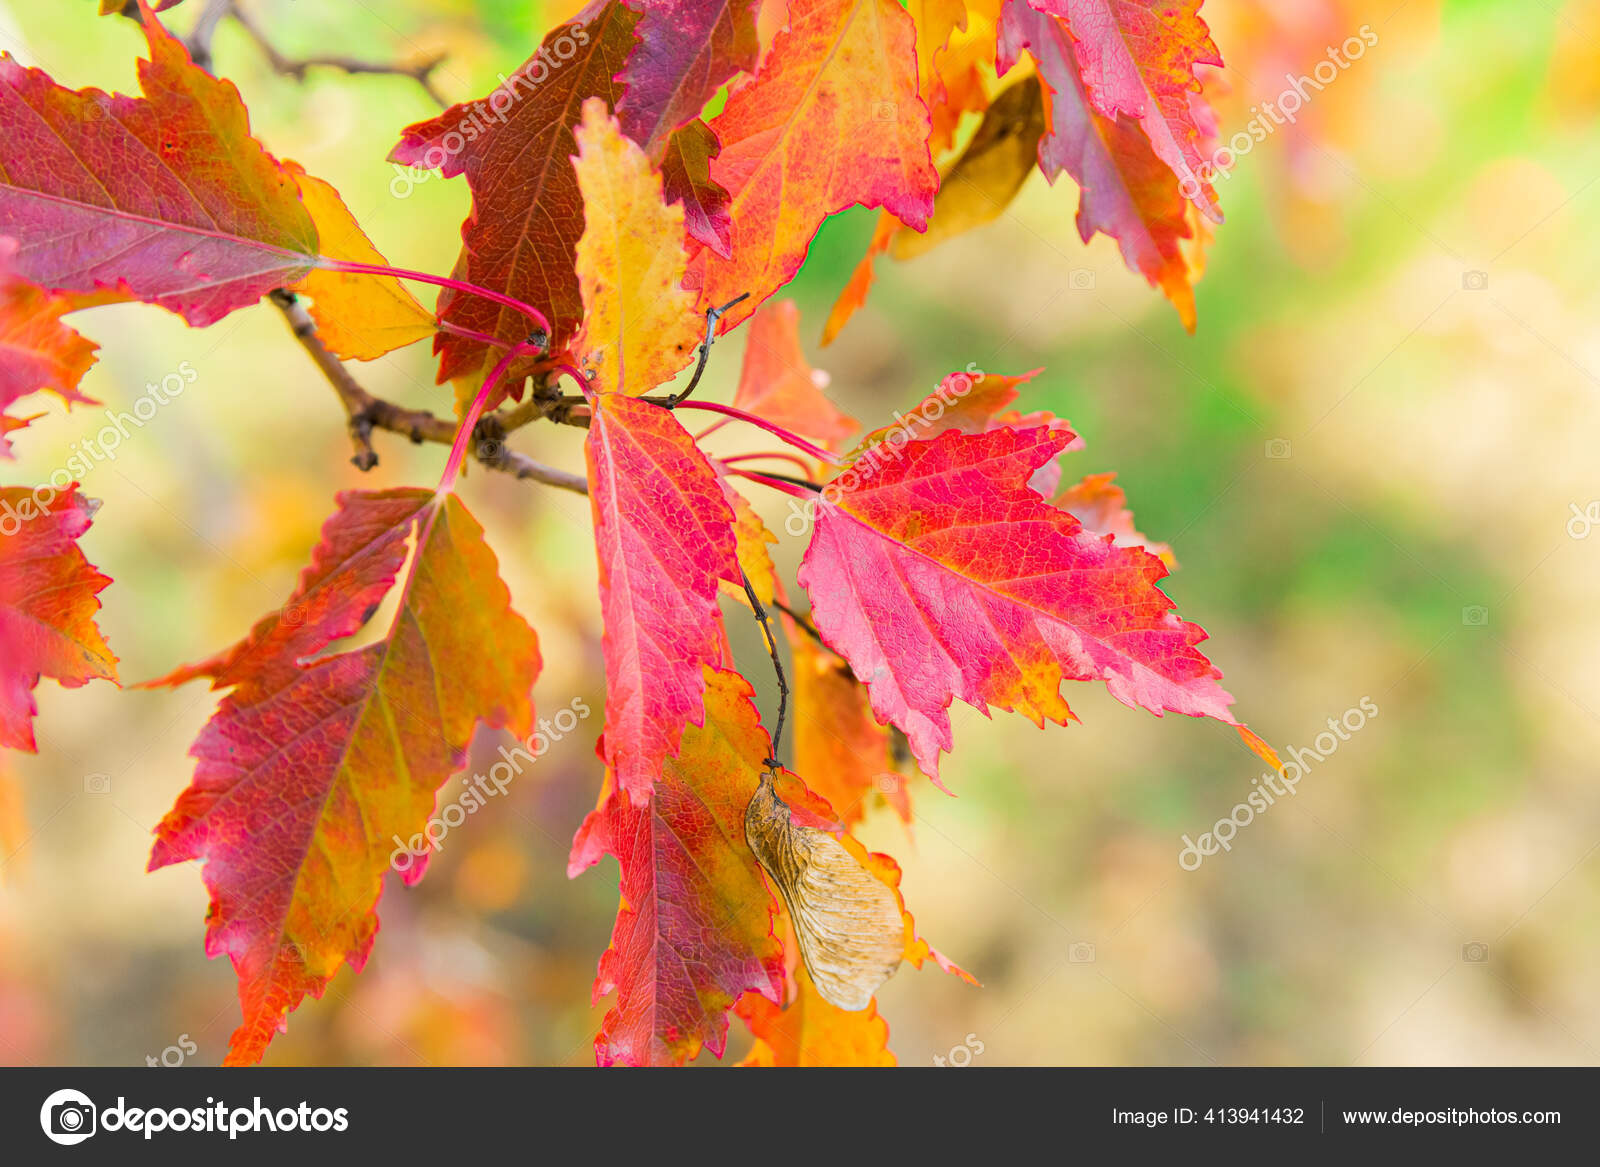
[[712, 316], [777, 666], [216, 11], [368, 413]]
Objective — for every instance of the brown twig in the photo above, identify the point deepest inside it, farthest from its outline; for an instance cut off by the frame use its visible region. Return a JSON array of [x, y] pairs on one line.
[[712, 316], [777, 665], [804, 624], [217, 10], [368, 413]]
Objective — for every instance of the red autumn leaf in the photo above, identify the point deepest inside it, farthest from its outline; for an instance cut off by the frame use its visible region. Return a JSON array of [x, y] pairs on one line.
[[694, 930], [686, 180], [832, 119], [688, 49], [777, 383], [515, 147], [37, 351], [974, 403], [1128, 192], [311, 769], [48, 598], [165, 196], [1137, 58], [938, 573], [665, 538]]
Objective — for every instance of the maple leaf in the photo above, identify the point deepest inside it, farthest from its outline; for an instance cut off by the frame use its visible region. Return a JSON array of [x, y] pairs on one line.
[[1102, 507], [955, 41], [751, 540], [515, 147], [937, 572], [806, 1030], [831, 119], [664, 534], [694, 929], [37, 350], [358, 317], [990, 172], [838, 745], [1138, 58], [974, 403], [1128, 192], [776, 382], [686, 181], [165, 196], [639, 324], [313, 766], [48, 598], [688, 49], [955, 47]]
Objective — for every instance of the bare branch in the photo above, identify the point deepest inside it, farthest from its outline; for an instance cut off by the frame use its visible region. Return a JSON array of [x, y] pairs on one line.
[[216, 11], [368, 413]]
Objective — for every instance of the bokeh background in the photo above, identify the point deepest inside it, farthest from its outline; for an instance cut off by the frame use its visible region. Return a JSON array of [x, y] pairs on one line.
[[1376, 461]]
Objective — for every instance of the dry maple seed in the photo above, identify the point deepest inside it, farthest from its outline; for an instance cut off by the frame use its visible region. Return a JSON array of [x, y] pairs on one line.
[[848, 921]]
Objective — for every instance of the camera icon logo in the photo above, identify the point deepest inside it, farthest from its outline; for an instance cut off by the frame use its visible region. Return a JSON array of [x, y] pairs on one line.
[[1277, 448], [1475, 281], [67, 1117], [1081, 953], [1475, 952], [97, 783], [1475, 616], [1081, 279]]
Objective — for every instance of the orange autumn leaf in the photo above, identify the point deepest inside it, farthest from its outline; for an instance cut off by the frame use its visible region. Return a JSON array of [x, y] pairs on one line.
[[694, 928], [37, 350], [1102, 507], [839, 746], [806, 1030], [640, 327], [314, 765], [49, 595], [955, 59], [831, 119], [778, 384]]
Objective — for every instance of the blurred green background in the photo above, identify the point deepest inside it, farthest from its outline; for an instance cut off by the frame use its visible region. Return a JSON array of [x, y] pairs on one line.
[[1375, 462]]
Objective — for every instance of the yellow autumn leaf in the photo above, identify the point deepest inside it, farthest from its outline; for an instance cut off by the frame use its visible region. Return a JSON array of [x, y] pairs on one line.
[[359, 317], [640, 326], [989, 173]]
